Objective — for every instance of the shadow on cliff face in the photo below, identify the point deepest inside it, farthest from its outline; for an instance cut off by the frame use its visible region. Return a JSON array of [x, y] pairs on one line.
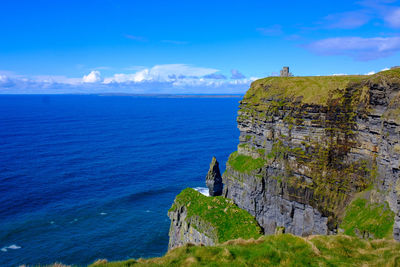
[[322, 140]]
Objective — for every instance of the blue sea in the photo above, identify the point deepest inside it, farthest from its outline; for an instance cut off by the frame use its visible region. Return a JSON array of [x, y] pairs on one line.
[[87, 177]]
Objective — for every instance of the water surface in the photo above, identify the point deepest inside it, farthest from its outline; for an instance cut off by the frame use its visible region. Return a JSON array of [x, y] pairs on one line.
[[89, 177]]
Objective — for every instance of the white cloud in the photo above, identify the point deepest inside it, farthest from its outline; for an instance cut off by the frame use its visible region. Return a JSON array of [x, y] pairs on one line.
[[93, 77], [385, 69], [273, 30], [236, 75], [124, 78], [162, 73], [370, 73], [162, 79], [57, 79], [370, 11], [347, 20], [393, 18], [359, 48], [136, 38], [180, 70]]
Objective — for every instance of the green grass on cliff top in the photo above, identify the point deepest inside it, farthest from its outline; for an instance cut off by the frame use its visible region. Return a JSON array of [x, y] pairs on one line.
[[312, 89], [279, 250], [229, 221], [364, 217], [243, 163]]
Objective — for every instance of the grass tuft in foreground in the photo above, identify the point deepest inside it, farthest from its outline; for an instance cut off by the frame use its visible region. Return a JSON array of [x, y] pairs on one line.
[[279, 250]]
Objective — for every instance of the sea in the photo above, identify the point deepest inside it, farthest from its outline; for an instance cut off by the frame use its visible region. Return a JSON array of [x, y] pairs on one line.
[[87, 177]]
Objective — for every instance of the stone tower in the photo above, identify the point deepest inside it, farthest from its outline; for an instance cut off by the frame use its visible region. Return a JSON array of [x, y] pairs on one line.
[[285, 72]]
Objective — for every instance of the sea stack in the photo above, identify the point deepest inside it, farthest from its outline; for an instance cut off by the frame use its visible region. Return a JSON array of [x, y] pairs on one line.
[[214, 179]]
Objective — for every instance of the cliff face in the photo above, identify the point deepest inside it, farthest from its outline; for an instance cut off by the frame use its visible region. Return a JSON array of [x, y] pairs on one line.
[[199, 219], [308, 145], [183, 229]]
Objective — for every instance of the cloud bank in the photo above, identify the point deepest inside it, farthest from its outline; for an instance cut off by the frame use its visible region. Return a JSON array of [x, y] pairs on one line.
[[383, 15], [159, 79]]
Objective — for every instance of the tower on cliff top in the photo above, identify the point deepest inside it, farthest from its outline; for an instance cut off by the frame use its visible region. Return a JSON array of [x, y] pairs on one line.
[[285, 72]]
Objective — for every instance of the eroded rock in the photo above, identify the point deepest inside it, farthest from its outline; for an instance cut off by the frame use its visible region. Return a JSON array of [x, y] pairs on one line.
[[214, 179]]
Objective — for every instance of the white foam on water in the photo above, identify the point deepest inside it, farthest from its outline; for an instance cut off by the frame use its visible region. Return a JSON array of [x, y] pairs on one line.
[[5, 249], [14, 247], [52, 222], [147, 211], [202, 190], [103, 213]]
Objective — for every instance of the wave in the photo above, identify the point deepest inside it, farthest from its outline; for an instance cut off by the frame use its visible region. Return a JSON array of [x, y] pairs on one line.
[[14, 247], [202, 190]]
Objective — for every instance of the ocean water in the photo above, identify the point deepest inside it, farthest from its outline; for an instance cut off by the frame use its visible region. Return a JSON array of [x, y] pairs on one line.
[[92, 177]]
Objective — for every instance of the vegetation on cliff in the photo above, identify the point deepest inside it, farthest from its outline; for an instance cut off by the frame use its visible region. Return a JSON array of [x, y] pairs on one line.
[[313, 90], [308, 90], [315, 168], [368, 220], [279, 250], [243, 163], [229, 221]]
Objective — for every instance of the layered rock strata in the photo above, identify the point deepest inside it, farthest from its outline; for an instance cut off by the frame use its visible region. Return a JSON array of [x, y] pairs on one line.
[[206, 220], [309, 144], [183, 230]]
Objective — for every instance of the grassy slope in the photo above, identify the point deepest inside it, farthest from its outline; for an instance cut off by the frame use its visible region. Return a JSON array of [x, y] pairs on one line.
[[229, 221], [366, 217], [280, 250], [313, 89], [243, 163]]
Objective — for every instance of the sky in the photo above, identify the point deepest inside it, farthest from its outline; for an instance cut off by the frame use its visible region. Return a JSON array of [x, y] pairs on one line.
[[183, 47]]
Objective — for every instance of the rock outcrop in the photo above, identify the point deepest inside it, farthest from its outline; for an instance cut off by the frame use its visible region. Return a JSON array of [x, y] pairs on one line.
[[183, 230], [308, 145], [214, 179], [314, 154], [203, 220]]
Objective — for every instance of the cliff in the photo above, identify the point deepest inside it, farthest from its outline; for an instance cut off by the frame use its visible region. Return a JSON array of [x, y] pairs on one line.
[[198, 219], [313, 147], [317, 156]]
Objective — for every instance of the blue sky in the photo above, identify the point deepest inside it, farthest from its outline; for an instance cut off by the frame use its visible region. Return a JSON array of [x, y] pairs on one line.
[[188, 46]]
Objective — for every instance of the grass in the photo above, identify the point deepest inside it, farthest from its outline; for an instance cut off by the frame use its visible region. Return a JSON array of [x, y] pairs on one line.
[[229, 221], [312, 89], [279, 250], [343, 99], [363, 217], [243, 163]]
